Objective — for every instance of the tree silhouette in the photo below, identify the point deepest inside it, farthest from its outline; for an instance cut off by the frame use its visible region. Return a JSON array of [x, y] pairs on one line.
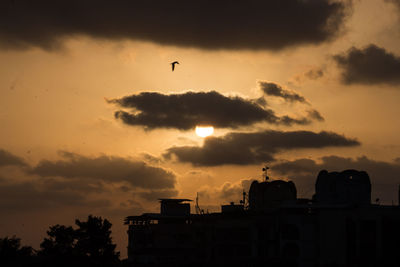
[[88, 245], [59, 246], [12, 254], [94, 241]]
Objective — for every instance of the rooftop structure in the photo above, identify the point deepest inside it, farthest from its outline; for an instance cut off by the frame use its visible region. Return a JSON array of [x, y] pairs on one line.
[[174, 207], [338, 227], [348, 186]]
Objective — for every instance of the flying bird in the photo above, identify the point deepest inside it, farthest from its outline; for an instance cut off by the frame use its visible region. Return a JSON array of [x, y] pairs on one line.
[[173, 64]]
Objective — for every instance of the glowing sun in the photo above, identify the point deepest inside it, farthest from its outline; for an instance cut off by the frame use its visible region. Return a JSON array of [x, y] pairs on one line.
[[204, 131]]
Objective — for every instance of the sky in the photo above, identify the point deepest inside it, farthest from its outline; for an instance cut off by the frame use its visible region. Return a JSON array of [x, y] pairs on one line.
[[94, 121]]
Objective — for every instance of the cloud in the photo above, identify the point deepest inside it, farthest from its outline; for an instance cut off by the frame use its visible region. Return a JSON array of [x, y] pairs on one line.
[[227, 192], [370, 65], [153, 195], [27, 196], [222, 24], [77, 180], [273, 89], [57, 191], [234, 191], [384, 175], [108, 169], [187, 110], [151, 159], [386, 172], [79, 183], [73, 185], [240, 148], [288, 121], [7, 159], [314, 74], [315, 115]]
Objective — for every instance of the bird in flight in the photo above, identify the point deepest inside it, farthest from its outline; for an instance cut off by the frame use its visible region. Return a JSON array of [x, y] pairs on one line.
[[173, 64]]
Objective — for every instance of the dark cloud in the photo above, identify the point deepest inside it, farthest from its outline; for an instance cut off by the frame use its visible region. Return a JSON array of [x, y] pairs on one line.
[[261, 101], [370, 65], [297, 166], [27, 196], [314, 74], [315, 115], [107, 169], [222, 24], [254, 148], [187, 110], [151, 159], [384, 175], [73, 185], [386, 172], [6, 159], [288, 121], [273, 89]]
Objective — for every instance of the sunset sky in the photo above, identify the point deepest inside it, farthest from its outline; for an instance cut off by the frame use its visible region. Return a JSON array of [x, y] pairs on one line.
[[94, 121]]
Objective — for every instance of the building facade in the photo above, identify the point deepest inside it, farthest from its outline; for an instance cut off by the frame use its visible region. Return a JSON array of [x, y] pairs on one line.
[[337, 227]]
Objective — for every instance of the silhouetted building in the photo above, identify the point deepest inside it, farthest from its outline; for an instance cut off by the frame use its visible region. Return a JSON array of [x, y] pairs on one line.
[[347, 187], [338, 227], [265, 195]]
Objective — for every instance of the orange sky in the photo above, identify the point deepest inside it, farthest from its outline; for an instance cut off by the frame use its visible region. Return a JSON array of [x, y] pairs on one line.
[[53, 111]]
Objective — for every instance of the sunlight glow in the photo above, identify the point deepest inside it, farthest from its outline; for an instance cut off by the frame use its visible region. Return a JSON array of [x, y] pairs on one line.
[[204, 131]]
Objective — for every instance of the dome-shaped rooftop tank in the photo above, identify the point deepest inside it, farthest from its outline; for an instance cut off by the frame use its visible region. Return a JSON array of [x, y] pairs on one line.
[[271, 194], [349, 186]]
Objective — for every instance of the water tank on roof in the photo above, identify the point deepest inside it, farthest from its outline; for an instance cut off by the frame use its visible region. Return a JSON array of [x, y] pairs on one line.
[[271, 194], [174, 207], [346, 187]]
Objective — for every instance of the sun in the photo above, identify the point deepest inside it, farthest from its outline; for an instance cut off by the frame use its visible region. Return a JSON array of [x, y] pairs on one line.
[[204, 131]]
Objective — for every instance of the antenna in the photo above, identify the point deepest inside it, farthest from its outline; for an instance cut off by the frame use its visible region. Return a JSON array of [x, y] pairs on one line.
[[265, 170], [243, 201], [197, 203], [198, 210]]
